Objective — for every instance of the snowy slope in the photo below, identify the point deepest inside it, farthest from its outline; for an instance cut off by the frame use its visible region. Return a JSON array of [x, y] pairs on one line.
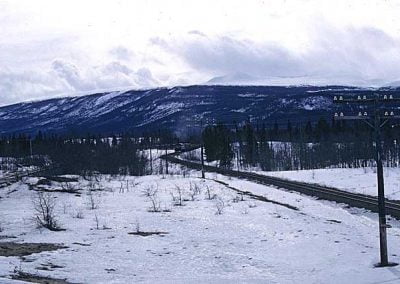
[[174, 108]]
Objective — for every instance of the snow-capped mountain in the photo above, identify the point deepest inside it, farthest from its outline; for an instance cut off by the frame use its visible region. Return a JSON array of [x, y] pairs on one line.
[[178, 108]]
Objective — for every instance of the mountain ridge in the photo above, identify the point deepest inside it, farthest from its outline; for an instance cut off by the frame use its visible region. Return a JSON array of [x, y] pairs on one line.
[[175, 108]]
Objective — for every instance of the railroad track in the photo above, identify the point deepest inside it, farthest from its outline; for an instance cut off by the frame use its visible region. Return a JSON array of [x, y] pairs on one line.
[[321, 192]]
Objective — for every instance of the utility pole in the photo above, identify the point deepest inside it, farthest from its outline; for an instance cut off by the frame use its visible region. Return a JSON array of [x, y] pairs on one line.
[[30, 147], [376, 121], [202, 150], [151, 155], [166, 159]]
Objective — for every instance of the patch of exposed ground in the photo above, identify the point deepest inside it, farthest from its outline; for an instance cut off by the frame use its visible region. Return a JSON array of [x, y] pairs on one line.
[[23, 249], [32, 278], [146, 234]]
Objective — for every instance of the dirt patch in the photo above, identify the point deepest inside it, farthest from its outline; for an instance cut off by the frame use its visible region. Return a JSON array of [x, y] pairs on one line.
[[334, 221], [82, 244], [23, 249], [146, 234], [32, 278], [2, 237]]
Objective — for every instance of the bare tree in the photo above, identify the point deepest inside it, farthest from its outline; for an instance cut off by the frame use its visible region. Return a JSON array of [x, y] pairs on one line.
[[44, 206]]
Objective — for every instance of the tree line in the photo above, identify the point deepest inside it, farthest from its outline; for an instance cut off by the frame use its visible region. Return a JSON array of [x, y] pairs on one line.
[[310, 146], [120, 154]]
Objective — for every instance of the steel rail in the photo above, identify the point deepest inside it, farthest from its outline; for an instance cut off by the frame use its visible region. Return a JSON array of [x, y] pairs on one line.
[[319, 191]]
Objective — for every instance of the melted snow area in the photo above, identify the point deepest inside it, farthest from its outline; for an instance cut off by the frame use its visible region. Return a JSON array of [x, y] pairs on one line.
[[249, 241]]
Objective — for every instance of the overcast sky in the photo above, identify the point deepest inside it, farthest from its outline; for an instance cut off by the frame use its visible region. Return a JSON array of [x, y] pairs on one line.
[[64, 47]]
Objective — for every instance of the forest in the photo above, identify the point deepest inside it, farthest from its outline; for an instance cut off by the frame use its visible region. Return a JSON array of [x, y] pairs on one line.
[[310, 146], [118, 154], [275, 147]]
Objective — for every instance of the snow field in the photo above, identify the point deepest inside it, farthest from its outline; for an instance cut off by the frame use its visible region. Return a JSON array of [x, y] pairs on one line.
[[250, 241]]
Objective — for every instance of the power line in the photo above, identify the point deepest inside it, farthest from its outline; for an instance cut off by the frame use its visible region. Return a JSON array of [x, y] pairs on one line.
[[376, 120]]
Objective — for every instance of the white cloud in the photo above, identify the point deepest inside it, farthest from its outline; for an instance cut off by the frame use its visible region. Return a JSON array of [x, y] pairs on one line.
[[63, 47]]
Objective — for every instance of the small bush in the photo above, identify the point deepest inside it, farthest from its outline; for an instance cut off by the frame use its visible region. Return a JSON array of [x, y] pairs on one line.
[[209, 193], [44, 207], [220, 205], [93, 201], [194, 190], [155, 203], [79, 214], [177, 196]]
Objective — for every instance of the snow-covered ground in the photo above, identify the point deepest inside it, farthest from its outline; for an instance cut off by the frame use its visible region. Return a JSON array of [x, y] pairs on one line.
[[250, 241], [359, 180]]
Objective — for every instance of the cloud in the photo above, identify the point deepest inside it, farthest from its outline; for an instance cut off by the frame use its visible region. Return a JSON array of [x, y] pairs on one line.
[[66, 78], [18, 86], [121, 53], [63, 62], [337, 55], [72, 76]]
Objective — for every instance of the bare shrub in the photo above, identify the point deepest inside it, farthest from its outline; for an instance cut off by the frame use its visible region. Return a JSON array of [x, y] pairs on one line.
[[92, 200], [209, 193], [184, 171], [95, 186], [177, 196], [125, 186], [44, 205], [239, 197], [252, 205], [97, 176], [79, 214], [97, 222], [137, 226], [96, 219], [155, 203], [65, 208], [69, 187], [194, 190], [150, 190], [133, 183], [220, 205]]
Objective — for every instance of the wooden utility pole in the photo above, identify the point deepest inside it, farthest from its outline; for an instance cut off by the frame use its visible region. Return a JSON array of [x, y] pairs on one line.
[[166, 159], [376, 121], [202, 150], [151, 156]]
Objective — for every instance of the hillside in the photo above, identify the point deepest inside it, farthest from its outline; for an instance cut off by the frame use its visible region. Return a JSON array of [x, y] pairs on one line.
[[172, 108]]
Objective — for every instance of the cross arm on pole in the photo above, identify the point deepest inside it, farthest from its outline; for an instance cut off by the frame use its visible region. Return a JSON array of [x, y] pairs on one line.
[[365, 99]]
